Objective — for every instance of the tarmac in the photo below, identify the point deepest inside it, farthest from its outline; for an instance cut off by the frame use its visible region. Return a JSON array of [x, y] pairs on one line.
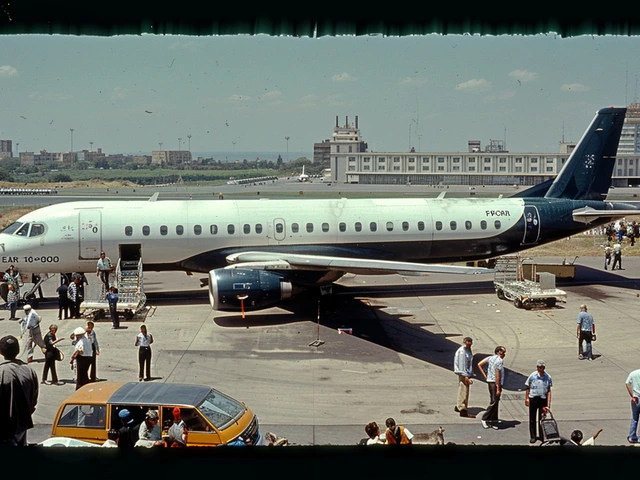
[[307, 381]]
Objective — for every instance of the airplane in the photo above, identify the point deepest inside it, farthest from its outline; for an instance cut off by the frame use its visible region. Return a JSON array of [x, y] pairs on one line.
[[303, 177], [258, 253]]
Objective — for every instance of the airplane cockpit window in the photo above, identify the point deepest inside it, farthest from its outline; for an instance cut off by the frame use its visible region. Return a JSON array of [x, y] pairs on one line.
[[12, 228], [36, 229], [23, 230]]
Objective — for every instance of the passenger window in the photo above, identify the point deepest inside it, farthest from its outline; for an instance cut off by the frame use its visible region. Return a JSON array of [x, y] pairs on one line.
[[231, 229], [421, 226], [213, 229], [246, 228], [309, 227], [438, 225], [358, 227], [483, 224], [146, 230], [36, 229], [84, 416], [405, 226], [342, 227], [497, 224], [279, 228], [453, 225], [197, 229], [389, 226], [179, 229], [467, 225], [295, 228], [128, 231], [163, 230], [258, 228], [325, 227], [373, 226]]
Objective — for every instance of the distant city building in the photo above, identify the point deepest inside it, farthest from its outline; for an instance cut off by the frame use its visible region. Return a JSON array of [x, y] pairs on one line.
[[170, 157], [352, 162], [6, 149], [42, 158], [322, 152], [630, 137]]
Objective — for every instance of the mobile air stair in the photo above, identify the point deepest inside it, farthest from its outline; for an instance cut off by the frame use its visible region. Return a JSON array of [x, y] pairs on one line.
[[131, 298]]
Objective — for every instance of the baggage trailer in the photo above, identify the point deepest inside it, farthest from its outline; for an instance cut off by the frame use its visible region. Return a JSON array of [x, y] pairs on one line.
[[511, 286]]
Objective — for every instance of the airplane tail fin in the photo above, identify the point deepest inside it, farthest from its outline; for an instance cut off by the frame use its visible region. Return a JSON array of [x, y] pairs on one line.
[[587, 173]]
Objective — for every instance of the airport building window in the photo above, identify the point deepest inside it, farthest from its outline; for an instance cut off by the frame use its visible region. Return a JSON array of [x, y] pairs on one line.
[[213, 229], [453, 225], [438, 225], [425, 159], [146, 230], [258, 228], [325, 227], [358, 227], [231, 229], [179, 229], [396, 159], [497, 224], [412, 160], [246, 228], [309, 227], [421, 226], [483, 224], [128, 231], [405, 226], [373, 226], [295, 228], [342, 227], [197, 229], [163, 230], [389, 226], [467, 225]]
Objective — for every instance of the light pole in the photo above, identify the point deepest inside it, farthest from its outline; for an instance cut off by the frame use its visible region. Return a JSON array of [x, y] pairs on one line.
[[234, 149], [91, 146], [287, 139], [179, 143], [18, 149], [71, 153], [189, 137], [160, 143]]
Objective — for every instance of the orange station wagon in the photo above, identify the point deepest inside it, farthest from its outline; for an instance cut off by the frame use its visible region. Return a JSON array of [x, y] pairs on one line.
[[211, 417]]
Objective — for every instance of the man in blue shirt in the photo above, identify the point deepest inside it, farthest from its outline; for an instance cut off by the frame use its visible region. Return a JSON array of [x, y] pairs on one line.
[[463, 367], [537, 398], [495, 380], [586, 332]]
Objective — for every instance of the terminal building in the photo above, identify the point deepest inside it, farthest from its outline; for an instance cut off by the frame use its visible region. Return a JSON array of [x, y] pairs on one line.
[[351, 161]]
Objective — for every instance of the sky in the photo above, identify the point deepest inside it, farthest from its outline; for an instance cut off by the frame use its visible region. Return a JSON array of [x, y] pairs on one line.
[[128, 94]]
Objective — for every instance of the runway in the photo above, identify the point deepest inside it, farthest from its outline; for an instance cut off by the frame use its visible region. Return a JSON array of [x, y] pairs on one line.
[[397, 363]]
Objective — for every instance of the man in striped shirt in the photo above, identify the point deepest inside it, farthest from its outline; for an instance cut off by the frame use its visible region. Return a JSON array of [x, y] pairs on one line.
[[495, 381]]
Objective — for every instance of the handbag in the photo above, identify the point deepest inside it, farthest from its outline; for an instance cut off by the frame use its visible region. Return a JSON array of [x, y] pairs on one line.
[[59, 355]]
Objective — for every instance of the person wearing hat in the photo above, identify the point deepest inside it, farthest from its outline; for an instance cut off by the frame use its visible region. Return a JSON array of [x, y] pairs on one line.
[[103, 269], [149, 434], [128, 433], [18, 395], [30, 333], [537, 399], [178, 432], [82, 354]]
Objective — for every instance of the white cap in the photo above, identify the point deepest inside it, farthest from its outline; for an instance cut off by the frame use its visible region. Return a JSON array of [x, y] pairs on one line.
[[27, 307], [79, 331]]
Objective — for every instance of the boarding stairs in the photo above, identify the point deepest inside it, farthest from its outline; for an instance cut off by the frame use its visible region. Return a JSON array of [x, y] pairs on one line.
[[128, 279]]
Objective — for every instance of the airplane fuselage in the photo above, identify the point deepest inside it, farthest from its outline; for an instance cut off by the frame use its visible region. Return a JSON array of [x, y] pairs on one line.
[[197, 236]]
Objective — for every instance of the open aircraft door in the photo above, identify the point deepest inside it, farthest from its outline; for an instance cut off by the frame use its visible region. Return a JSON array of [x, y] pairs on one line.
[[531, 225], [89, 234]]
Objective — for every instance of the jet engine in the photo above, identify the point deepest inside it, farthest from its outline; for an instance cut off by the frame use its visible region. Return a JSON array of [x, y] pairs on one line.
[[237, 289]]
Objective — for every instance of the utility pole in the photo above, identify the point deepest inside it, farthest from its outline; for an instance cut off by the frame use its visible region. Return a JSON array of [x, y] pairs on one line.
[[287, 139], [91, 145], [71, 153], [179, 143], [189, 137], [160, 143]]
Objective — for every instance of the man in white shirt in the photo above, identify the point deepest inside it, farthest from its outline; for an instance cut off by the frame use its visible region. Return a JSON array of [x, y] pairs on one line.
[[633, 387], [30, 335], [103, 269], [82, 354], [495, 380], [463, 367]]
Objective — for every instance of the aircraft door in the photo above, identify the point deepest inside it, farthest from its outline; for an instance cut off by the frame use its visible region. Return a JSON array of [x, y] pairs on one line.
[[531, 225], [89, 234], [278, 231]]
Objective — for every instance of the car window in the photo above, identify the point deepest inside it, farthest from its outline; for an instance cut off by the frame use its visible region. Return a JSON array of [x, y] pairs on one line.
[[221, 410], [88, 416]]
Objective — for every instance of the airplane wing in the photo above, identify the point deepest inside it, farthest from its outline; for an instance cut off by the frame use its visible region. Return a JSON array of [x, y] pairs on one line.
[[588, 214], [358, 266]]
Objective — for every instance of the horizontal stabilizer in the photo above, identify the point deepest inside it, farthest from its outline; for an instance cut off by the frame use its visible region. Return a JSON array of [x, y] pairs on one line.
[[588, 214], [358, 266]]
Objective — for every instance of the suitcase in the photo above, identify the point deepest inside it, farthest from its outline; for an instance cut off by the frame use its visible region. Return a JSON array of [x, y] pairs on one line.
[[549, 427]]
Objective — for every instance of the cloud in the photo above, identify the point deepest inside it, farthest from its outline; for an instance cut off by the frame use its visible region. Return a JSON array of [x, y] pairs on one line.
[[474, 84], [574, 87], [272, 95], [54, 97], [239, 98], [7, 71], [413, 81], [119, 93], [343, 77], [523, 75]]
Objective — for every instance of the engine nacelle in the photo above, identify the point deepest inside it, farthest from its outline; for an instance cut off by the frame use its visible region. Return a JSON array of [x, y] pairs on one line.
[[258, 289]]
